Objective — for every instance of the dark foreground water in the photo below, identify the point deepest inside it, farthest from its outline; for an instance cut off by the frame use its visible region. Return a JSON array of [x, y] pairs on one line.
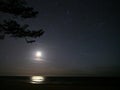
[[58, 83]]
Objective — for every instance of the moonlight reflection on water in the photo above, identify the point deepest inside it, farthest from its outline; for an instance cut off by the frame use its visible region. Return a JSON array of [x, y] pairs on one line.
[[37, 79]]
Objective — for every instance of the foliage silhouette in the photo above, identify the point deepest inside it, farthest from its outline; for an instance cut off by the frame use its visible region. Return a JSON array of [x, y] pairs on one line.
[[10, 27]]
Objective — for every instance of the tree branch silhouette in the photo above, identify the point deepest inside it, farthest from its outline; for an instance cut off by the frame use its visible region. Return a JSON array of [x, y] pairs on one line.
[[11, 27]]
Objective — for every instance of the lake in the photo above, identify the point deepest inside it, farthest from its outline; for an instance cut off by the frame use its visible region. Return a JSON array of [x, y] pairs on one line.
[[58, 83]]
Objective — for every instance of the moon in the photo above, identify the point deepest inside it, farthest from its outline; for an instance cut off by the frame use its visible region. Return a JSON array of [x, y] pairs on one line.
[[38, 54]]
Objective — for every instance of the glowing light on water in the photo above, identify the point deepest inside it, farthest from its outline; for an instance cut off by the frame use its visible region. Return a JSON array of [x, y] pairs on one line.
[[37, 79]]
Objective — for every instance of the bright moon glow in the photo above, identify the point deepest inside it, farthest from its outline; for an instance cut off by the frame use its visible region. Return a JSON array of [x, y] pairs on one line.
[[37, 79], [38, 54]]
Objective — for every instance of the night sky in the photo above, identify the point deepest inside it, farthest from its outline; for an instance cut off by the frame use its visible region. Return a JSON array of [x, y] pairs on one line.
[[82, 38]]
